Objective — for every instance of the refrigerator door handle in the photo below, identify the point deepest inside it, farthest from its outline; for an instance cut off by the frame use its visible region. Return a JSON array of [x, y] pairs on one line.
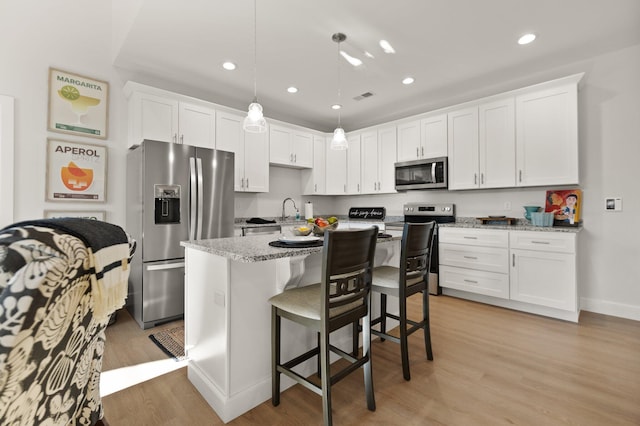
[[165, 266], [192, 198], [200, 198]]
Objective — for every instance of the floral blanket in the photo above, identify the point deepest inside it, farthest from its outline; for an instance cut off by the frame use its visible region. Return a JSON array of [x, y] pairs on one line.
[[51, 343]]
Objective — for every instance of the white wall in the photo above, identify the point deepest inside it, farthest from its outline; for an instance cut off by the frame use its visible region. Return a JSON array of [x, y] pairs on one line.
[[71, 35], [609, 253]]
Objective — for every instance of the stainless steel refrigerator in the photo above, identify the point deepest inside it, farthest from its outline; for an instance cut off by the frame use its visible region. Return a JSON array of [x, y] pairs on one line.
[[175, 193]]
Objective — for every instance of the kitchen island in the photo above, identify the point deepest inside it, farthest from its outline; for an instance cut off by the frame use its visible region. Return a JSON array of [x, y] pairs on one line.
[[228, 318]]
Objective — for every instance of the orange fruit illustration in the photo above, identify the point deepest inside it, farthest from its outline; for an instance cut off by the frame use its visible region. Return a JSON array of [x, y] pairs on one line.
[[76, 178]]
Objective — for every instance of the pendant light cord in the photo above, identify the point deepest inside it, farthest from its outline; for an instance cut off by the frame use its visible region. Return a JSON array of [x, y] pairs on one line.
[[255, 50], [339, 85]]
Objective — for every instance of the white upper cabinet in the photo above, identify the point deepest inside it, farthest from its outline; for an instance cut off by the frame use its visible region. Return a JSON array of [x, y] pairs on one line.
[[197, 125], [547, 136], [423, 139], [251, 150], [497, 144], [487, 160], [290, 148], [256, 163], [378, 158], [370, 158], [354, 168], [433, 136], [166, 118], [314, 180], [152, 117], [463, 148], [409, 141], [336, 177]]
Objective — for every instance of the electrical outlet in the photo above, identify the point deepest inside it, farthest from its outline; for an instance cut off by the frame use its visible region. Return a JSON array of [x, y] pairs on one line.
[[613, 204], [507, 205]]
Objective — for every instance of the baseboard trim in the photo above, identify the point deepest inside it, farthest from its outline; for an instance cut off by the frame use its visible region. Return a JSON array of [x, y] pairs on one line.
[[606, 307]]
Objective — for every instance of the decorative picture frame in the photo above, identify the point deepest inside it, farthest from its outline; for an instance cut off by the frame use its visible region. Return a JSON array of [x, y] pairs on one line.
[[94, 214], [566, 206], [78, 105], [76, 171]]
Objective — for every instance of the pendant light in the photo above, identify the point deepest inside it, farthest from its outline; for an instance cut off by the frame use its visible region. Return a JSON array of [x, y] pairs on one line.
[[254, 122], [339, 140]]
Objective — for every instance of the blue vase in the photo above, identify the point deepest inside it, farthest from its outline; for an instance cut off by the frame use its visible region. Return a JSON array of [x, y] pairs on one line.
[[529, 210]]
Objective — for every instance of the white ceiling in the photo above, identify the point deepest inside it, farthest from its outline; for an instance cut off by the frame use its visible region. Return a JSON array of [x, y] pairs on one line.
[[455, 49]]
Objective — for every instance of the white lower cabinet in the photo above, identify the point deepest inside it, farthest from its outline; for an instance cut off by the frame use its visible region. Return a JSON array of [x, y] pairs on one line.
[[474, 260], [481, 282], [543, 269], [533, 271]]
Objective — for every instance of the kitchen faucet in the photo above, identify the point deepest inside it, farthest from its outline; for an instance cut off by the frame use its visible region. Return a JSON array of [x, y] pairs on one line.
[[283, 203]]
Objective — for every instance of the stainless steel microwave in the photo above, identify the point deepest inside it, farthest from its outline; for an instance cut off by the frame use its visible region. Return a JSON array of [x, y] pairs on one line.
[[422, 174]]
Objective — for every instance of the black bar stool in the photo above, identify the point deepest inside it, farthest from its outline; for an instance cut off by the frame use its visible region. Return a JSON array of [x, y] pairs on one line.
[[342, 298], [410, 278]]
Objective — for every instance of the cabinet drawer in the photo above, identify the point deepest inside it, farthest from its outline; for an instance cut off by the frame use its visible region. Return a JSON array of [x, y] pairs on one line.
[[559, 242], [473, 237], [480, 282], [482, 258]]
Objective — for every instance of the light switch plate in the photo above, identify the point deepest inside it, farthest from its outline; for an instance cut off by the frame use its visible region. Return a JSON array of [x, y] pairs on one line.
[[613, 204]]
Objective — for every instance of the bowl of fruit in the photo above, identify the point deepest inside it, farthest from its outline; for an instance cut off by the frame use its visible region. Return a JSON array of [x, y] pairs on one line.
[[320, 224], [302, 230]]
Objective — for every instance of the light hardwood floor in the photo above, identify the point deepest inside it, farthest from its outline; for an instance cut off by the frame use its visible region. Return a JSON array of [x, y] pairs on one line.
[[492, 366]]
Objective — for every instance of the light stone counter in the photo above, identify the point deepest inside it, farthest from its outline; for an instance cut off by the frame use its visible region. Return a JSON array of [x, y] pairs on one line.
[[256, 248], [521, 225]]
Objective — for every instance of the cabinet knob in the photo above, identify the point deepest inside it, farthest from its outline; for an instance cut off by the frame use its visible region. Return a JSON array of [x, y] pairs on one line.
[[182, 139], [475, 178], [417, 152]]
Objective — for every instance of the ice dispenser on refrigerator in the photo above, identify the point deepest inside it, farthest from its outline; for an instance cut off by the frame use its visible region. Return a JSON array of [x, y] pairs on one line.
[[167, 203]]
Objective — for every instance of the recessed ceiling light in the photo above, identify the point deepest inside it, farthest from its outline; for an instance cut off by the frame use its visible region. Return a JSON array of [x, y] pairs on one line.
[[353, 61], [292, 89], [527, 38], [336, 106], [386, 46], [229, 66], [408, 80]]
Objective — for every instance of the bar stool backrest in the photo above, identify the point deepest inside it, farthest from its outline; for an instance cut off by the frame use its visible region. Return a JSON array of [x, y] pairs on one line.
[[417, 239], [347, 264]]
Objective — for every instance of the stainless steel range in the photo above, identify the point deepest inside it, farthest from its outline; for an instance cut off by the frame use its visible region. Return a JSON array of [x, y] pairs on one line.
[[423, 213]]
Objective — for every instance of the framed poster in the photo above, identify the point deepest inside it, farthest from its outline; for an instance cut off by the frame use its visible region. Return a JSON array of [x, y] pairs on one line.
[[94, 215], [76, 171], [565, 204], [78, 105]]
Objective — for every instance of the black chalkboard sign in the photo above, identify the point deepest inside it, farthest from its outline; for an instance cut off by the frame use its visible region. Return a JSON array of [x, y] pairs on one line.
[[368, 213]]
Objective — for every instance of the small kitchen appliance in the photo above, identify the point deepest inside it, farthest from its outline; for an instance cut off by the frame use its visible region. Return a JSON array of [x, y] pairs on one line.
[[421, 174]]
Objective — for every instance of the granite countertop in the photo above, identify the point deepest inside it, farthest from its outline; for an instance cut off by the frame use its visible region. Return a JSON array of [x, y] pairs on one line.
[[241, 222], [256, 248], [521, 225]]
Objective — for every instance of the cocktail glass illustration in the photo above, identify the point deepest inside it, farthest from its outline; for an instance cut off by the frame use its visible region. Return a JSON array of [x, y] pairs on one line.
[[79, 104]]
